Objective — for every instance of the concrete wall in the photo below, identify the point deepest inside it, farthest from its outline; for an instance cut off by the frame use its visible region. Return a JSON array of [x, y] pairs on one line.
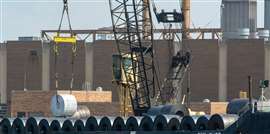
[[46, 66], [3, 74]]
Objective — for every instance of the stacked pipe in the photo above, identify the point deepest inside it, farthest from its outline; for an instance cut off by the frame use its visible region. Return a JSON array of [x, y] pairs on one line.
[[36, 125]]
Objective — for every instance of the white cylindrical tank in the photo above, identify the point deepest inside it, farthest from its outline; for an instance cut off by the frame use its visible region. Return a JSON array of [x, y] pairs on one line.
[[243, 33], [63, 105]]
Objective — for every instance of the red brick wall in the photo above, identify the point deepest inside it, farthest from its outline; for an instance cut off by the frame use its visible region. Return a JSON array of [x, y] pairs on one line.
[[19, 61], [64, 67], [245, 57], [204, 70], [40, 101]]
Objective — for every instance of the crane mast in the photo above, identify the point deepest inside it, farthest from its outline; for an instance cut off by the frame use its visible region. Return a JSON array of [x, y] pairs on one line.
[[132, 25]]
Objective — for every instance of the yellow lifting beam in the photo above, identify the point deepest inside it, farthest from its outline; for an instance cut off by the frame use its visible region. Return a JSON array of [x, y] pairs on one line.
[[58, 39]]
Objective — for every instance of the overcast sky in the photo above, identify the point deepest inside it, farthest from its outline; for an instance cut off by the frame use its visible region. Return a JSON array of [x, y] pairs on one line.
[[28, 17]]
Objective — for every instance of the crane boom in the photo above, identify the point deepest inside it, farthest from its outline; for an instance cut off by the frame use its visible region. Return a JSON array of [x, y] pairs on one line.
[[134, 38]]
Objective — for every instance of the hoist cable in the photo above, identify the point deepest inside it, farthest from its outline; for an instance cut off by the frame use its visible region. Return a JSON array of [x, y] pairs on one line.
[[56, 48]]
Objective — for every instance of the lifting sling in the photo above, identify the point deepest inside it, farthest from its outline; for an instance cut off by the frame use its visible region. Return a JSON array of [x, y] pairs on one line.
[[60, 39]]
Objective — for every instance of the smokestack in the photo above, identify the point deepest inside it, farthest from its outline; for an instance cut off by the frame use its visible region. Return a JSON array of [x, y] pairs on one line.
[[186, 13]]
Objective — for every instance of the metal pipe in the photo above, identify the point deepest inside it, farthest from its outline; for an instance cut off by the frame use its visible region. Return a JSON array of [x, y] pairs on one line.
[[250, 92]]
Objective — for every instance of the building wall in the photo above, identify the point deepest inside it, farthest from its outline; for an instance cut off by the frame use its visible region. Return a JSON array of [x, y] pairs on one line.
[[204, 70], [24, 65], [245, 57], [40, 101], [64, 67]]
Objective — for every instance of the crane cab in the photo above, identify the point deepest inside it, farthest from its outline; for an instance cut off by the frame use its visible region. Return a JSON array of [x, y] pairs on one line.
[[122, 68]]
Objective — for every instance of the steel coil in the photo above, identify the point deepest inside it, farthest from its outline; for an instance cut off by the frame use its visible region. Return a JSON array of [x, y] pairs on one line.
[[132, 123], [55, 126], [173, 122], [6, 125], [78, 125], [180, 110], [82, 112], [188, 123], [67, 126], [119, 124], [44, 126], [238, 106], [91, 124], [202, 123], [160, 123], [146, 124], [105, 124], [18, 126], [31, 126], [221, 122]]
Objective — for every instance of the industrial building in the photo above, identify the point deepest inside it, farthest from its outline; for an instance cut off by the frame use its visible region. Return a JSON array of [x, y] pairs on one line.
[[28, 69], [205, 80]]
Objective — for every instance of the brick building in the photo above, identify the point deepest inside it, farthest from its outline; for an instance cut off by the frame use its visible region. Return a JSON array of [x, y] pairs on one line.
[[30, 65]]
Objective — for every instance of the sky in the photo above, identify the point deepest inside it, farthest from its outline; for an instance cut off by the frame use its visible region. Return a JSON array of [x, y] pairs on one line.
[[29, 17]]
